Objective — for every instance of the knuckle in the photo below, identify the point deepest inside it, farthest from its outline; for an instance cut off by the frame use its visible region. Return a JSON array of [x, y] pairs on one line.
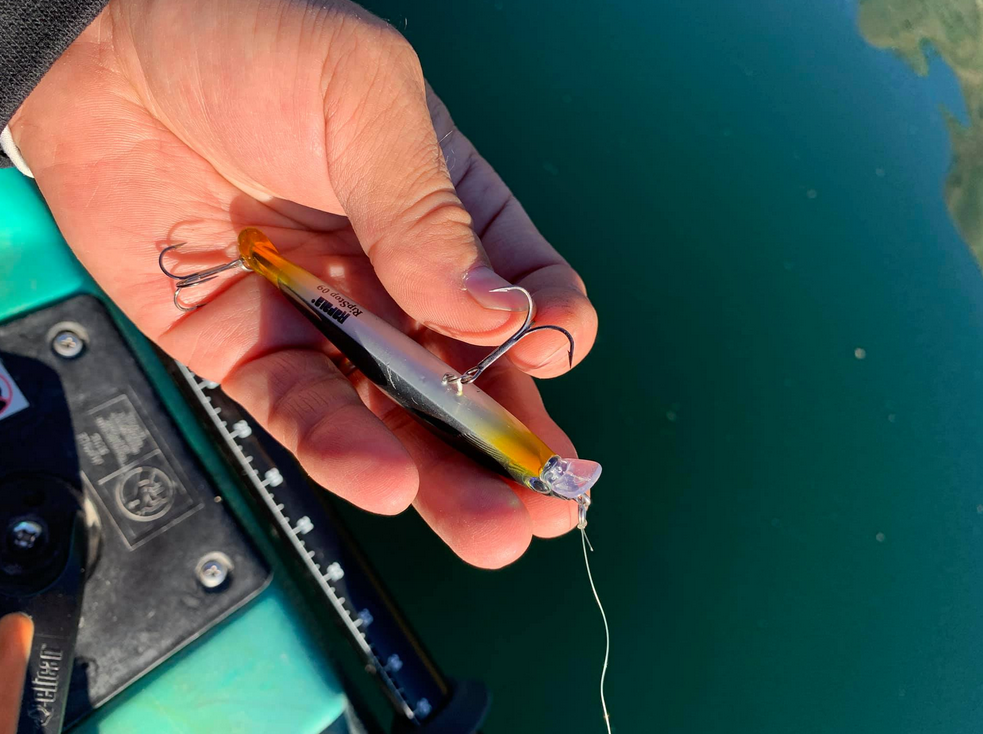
[[440, 212]]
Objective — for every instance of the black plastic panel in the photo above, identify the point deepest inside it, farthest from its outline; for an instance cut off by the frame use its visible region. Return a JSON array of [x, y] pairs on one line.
[[94, 421]]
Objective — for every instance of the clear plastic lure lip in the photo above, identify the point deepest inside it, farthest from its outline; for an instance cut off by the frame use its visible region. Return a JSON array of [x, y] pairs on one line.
[[570, 478]]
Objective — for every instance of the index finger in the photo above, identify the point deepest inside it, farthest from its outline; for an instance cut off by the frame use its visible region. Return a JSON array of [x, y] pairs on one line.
[[519, 253]]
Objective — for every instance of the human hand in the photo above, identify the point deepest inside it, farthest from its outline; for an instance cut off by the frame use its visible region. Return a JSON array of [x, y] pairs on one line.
[[187, 121]]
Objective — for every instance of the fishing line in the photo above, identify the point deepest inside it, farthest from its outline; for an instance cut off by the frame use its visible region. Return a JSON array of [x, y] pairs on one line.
[[607, 632]]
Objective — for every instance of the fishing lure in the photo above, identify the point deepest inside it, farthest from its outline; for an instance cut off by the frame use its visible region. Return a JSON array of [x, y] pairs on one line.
[[448, 402]]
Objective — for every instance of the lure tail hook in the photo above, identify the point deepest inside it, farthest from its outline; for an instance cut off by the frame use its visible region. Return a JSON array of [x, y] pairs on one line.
[[525, 330], [193, 279]]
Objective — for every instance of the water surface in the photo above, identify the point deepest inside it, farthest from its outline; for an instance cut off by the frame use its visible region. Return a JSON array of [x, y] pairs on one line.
[[786, 393]]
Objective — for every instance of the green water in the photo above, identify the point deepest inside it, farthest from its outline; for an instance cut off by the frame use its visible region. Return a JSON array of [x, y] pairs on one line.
[[789, 531]]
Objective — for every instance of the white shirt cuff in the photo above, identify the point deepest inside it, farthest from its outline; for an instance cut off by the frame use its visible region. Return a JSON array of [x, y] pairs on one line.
[[13, 153]]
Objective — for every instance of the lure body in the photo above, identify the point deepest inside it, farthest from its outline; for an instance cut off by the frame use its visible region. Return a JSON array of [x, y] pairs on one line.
[[423, 384]]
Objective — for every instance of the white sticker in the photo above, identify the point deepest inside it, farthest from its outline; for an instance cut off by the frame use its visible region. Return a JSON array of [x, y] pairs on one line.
[[12, 400]]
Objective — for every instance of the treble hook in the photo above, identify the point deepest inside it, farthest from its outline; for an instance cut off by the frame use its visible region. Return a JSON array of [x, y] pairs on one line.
[[525, 330], [202, 276]]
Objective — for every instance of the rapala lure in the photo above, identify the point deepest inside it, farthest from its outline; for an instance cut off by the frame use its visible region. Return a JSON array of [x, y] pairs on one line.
[[450, 403]]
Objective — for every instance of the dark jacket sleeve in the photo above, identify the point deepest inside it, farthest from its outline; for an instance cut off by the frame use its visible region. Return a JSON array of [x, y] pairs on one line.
[[33, 34]]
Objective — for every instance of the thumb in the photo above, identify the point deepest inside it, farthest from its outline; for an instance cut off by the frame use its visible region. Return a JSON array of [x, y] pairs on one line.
[[387, 169]]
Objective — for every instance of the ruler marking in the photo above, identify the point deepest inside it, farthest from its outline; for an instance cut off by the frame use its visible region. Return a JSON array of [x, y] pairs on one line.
[[306, 557]]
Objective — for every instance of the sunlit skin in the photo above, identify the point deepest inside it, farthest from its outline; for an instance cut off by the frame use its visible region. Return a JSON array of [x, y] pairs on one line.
[[16, 634], [188, 121]]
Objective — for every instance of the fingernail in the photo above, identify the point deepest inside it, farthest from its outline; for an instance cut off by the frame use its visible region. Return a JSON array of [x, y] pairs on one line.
[[482, 281]]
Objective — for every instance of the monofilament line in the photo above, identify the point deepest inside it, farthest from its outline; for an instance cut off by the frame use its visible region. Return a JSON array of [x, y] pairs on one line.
[[607, 632]]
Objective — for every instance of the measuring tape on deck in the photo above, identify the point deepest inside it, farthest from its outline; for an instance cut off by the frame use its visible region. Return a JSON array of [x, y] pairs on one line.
[[369, 620]]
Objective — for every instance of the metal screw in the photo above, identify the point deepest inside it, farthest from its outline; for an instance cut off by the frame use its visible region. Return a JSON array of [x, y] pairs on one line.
[[25, 534], [213, 569], [67, 344]]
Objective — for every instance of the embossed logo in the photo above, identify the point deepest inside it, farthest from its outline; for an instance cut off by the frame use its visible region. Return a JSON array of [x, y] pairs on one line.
[[44, 684], [145, 493]]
